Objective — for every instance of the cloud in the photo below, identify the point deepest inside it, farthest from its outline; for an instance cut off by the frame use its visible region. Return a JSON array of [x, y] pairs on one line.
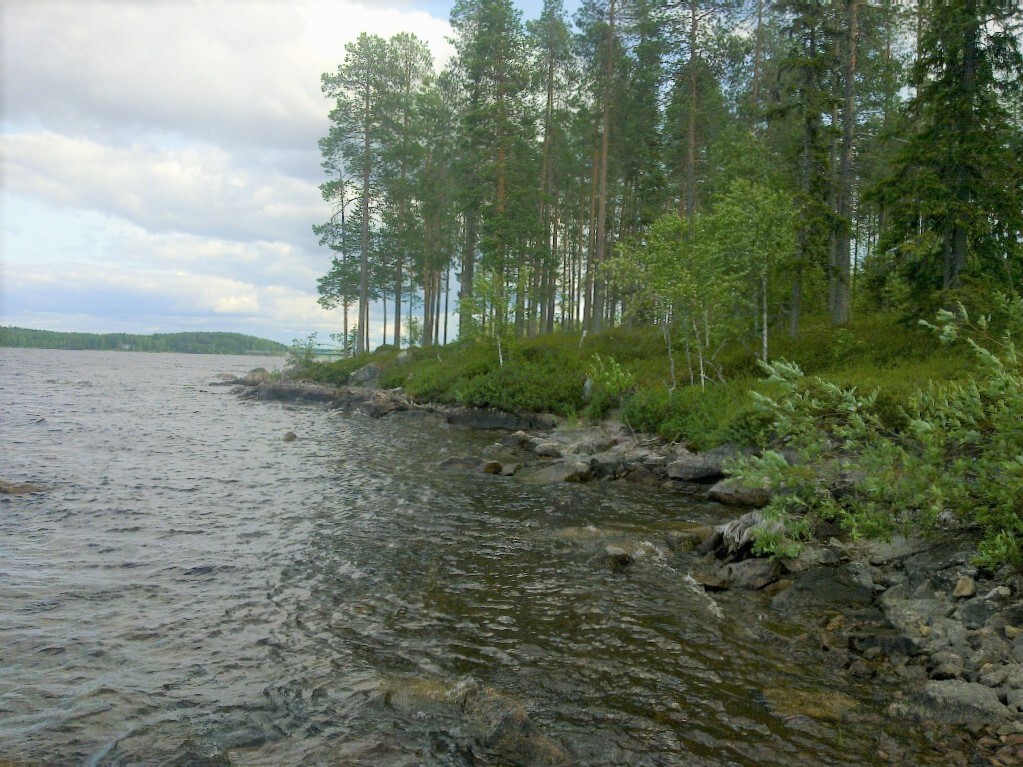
[[200, 189], [225, 72], [159, 158]]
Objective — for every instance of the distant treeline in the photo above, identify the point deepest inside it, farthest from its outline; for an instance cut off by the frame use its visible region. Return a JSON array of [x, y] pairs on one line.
[[189, 343]]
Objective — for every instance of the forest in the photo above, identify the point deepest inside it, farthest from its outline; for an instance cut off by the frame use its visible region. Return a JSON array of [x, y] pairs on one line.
[[187, 343], [721, 169], [791, 225]]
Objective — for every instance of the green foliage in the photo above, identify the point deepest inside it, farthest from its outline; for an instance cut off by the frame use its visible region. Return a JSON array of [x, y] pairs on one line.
[[609, 383], [302, 353], [959, 456]]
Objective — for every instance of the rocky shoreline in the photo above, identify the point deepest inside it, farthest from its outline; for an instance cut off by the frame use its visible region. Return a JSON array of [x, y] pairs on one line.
[[913, 612]]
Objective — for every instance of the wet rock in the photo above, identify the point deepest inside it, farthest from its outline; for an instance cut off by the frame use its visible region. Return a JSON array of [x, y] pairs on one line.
[[641, 475], [518, 439], [292, 391], [367, 375], [505, 727], [886, 643], [615, 558], [752, 574], [695, 468], [965, 587], [957, 702], [733, 493], [562, 471], [548, 449], [510, 469], [493, 467], [290, 436], [735, 539], [824, 588], [14, 488], [586, 440], [687, 539], [225, 379], [1014, 701]]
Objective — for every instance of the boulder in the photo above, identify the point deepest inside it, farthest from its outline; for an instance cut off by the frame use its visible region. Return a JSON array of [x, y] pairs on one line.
[[731, 492], [824, 588], [975, 612], [967, 703], [615, 558], [695, 468], [752, 574], [548, 449], [561, 471], [586, 440], [367, 375], [493, 467]]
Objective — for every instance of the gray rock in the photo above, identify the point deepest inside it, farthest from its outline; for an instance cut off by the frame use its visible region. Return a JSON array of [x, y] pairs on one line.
[[824, 588], [367, 375], [965, 702], [945, 665], [1014, 701], [986, 648], [561, 471], [518, 439], [975, 612], [752, 574], [510, 469], [548, 449], [1013, 614], [586, 440], [732, 493], [290, 436], [695, 468]]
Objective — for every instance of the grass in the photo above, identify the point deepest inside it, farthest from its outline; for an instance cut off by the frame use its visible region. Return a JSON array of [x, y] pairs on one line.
[[547, 373]]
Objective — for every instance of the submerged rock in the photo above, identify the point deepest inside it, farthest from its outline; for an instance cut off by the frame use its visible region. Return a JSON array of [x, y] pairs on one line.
[[290, 436], [13, 488], [562, 471]]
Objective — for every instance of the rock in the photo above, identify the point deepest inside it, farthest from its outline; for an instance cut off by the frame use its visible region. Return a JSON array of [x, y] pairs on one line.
[[959, 702], [810, 556], [225, 379], [945, 665], [975, 612], [965, 587], [732, 493], [292, 391], [493, 467], [13, 488], [998, 592], [290, 436], [518, 439], [898, 548], [614, 558], [367, 375], [561, 471], [752, 574], [824, 588], [510, 469], [1014, 701], [887, 643], [735, 539], [547, 449], [695, 468], [255, 377], [681, 541], [382, 403], [586, 441], [1013, 614]]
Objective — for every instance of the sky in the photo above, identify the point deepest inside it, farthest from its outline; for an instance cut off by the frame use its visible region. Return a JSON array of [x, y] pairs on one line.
[[159, 167]]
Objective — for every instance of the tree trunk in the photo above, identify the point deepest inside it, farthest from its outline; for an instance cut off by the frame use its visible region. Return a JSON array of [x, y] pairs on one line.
[[691, 128], [597, 315], [842, 267]]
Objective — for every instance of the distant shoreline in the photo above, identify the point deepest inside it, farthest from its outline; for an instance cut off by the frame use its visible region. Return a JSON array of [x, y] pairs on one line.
[[183, 343]]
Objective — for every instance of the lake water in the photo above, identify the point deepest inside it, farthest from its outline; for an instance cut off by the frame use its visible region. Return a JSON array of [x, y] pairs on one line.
[[192, 589]]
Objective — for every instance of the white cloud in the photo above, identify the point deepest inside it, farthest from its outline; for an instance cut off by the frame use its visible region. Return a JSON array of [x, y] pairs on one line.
[[159, 158]]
